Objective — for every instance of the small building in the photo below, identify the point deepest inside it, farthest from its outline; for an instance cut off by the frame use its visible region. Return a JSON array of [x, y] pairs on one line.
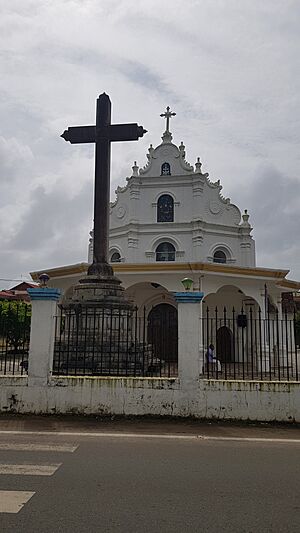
[[18, 292]]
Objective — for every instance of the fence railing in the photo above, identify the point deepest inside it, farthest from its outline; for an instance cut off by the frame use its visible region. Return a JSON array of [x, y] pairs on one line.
[[245, 345], [15, 320], [112, 342], [132, 342]]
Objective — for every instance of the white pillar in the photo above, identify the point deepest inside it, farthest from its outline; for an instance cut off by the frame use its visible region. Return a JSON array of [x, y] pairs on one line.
[[189, 334], [42, 333], [264, 356]]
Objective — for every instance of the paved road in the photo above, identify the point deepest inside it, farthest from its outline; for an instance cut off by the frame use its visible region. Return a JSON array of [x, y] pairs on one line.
[[68, 475]]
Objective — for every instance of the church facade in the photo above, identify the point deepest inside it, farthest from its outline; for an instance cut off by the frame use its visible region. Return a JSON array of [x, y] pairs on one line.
[[171, 222], [171, 211]]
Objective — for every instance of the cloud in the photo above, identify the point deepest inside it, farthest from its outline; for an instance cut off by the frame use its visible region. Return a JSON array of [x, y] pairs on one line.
[[54, 227], [230, 71], [275, 213], [13, 157]]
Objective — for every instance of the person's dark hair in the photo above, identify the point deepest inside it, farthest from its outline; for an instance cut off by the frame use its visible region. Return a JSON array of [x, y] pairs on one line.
[[211, 346]]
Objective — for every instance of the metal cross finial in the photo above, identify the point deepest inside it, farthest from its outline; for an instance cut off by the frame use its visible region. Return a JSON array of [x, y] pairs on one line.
[[167, 115]]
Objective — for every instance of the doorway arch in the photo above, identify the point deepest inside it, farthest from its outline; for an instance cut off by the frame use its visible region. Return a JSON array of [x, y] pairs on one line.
[[163, 332], [225, 345]]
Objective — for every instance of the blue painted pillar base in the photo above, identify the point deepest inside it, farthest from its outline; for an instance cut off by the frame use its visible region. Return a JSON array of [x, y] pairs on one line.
[[188, 297], [44, 293]]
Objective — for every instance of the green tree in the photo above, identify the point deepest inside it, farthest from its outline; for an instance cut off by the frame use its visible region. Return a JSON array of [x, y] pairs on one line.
[[15, 320]]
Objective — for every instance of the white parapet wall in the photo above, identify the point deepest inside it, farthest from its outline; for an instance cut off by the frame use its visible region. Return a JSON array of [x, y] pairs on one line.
[[186, 396], [210, 399]]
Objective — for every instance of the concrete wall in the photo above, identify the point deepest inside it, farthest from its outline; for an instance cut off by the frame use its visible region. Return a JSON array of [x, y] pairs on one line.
[[211, 399], [185, 396]]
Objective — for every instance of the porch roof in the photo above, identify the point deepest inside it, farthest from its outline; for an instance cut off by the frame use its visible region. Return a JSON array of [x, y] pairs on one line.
[[214, 268]]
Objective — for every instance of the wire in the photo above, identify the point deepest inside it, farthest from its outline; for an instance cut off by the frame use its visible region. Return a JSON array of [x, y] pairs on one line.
[[5, 279]]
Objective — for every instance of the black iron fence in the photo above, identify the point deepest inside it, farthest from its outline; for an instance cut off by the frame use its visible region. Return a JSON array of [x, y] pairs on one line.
[[245, 345], [15, 320], [114, 342], [138, 342]]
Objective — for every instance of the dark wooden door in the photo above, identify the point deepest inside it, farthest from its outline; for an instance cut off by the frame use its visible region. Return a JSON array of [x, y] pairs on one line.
[[224, 345], [163, 332]]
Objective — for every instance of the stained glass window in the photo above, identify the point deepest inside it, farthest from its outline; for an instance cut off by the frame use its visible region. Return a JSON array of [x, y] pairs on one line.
[[165, 169], [219, 257], [115, 258], [165, 252], [165, 208]]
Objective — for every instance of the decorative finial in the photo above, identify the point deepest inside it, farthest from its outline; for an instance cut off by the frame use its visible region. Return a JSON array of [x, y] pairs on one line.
[[150, 151], [182, 149], [198, 166], [245, 218], [135, 169]]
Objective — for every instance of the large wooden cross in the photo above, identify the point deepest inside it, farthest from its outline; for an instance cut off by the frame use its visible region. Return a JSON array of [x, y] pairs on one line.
[[102, 134]]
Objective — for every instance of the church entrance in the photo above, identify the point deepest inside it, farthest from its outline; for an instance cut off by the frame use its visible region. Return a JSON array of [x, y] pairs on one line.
[[224, 346], [163, 332]]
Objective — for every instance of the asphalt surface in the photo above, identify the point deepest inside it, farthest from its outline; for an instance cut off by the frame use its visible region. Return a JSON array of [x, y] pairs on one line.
[[149, 476]]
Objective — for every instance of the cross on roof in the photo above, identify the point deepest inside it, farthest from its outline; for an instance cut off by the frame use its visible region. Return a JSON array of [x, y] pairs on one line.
[[167, 115]]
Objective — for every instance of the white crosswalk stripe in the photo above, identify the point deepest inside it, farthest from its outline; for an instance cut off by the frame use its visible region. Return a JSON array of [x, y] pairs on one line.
[[37, 447], [12, 501], [29, 469]]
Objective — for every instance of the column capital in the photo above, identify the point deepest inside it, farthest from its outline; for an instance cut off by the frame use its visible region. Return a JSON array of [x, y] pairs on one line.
[[45, 293], [188, 297]]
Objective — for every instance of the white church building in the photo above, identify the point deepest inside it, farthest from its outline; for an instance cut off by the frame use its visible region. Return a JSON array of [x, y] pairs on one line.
[[170, 222]]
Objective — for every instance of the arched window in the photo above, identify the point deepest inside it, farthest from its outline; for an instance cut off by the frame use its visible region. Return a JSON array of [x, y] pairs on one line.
[[165, 252], [165, 169], [115, 258], [165, 208], [219, 257]]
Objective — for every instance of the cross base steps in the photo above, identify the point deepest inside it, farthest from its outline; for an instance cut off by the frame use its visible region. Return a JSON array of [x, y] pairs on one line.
[[101, 289]]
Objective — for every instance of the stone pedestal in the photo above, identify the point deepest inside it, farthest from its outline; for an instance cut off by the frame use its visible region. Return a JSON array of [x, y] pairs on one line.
[[100, 320], [100, 288]]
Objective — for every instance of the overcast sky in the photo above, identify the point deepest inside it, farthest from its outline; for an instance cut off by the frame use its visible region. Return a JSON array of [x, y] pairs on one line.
[[229, 68]]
